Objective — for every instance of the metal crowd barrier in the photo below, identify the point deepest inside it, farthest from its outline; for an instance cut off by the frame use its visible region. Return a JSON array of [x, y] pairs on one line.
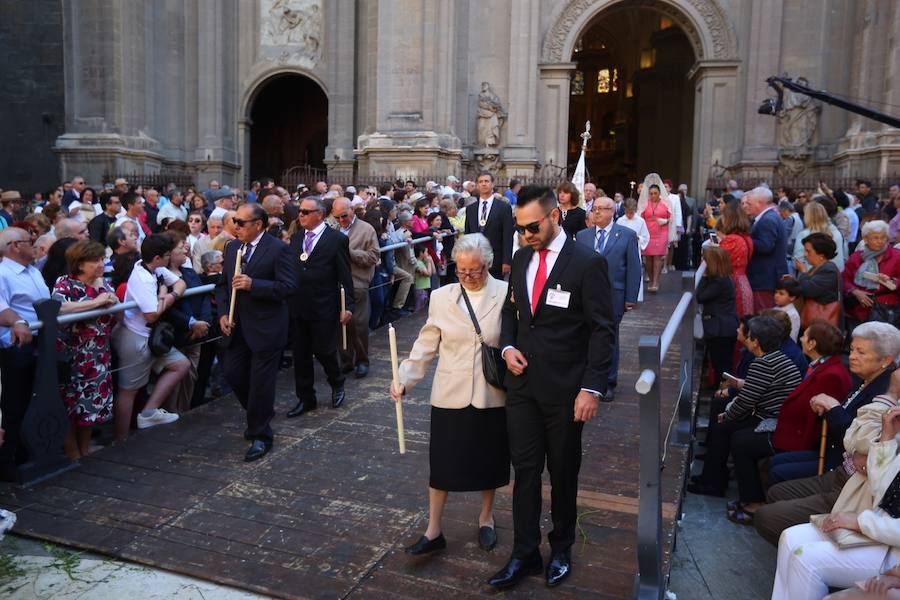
[[650, 582], [45, 424]]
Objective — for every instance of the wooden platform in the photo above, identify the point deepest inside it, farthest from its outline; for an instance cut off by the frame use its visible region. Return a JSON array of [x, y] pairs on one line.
[[326, 514]]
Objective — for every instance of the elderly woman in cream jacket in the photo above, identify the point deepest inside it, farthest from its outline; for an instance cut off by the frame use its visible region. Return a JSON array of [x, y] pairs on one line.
[[809, 562], [468, 448]]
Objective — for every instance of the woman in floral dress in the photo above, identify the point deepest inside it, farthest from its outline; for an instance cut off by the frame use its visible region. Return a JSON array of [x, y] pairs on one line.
[[88, 392]]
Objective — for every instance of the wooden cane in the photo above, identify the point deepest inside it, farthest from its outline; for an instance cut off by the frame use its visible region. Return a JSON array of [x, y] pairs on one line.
[[822, 446], [395, 373], [237, 271], [343, 310]]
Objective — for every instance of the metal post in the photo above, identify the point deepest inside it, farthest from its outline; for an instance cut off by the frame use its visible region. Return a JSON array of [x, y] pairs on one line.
[[684, 427], [648, 582], [45, 424]]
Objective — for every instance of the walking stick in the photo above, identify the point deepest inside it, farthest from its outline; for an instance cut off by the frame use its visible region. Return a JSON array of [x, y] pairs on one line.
[[395, 372], [822, 446], [343, 310], [237, 271]]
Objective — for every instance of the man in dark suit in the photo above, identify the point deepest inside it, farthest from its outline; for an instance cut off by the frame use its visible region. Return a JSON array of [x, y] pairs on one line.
[[619, 246], [557, 338], [322, 256], [259, 332], [492, 216], [768, 263]]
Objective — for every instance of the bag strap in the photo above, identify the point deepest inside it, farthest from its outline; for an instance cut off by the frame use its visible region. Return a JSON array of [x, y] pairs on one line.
[[471, 313]]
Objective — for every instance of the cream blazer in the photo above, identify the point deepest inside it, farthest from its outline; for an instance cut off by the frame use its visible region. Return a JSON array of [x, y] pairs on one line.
[[449, 333]]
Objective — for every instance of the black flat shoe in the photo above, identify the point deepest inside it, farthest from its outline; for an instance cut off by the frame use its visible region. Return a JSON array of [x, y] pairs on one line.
[[426, 546], [702, 489], [558, 568], [609, 396], [487, 538], [516, 570], [303, 406], [257, 450], [362, 369], [337, 398]]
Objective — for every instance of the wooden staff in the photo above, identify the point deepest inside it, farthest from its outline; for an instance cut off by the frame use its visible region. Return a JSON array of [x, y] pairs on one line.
[[237, 271], [343, 310], [395, 372], [822, 446]]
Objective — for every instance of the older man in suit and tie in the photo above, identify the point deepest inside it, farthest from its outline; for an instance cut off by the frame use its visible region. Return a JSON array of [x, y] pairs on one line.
[[619, 246], [260, 329], [492, 217], [322, 256], [557, 337], [768, 263]]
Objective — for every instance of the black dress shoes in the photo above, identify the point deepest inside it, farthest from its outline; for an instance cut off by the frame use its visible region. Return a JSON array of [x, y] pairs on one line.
[[362, 369], [487, 538], [516, 570], [704, 489], [558, 568], [303, 406], [337, 397], [257, 450], [426, 546]]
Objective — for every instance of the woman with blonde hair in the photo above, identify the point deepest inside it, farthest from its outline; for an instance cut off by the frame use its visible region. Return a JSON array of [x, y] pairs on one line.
[[815, 219]]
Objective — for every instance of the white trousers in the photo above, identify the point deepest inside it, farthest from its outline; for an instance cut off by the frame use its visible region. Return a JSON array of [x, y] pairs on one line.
[[809, 563]]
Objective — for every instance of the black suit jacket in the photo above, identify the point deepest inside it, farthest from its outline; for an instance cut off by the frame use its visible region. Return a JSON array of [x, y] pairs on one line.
[[317, 296], [567, 348], [261, 312], [498, 230]]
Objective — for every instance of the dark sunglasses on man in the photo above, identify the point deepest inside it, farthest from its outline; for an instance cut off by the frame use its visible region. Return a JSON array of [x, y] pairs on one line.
[[534, 227], [242, 222], [308, 211]]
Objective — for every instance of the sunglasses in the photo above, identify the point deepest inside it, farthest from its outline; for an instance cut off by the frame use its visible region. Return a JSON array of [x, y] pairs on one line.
[[532, 227], [242, 222], [308, 211]]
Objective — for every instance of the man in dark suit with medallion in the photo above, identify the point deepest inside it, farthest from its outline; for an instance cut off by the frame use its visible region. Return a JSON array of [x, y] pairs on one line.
[[492, 217], [322, 256], [256, 338], [557, 340]]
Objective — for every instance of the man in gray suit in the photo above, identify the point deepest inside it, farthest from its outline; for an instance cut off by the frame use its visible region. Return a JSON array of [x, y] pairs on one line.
[[619, 246]]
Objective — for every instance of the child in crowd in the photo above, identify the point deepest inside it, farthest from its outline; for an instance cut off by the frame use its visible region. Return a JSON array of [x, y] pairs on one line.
[[424, 271], [784, 301]]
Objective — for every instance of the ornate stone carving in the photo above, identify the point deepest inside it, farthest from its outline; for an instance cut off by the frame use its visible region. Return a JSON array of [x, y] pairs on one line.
[[488, 160], [797, 123], [715, 24], [291, 31], [491, 117]]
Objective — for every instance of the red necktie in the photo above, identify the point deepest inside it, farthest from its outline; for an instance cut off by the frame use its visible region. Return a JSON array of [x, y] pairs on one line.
[[540, 278]]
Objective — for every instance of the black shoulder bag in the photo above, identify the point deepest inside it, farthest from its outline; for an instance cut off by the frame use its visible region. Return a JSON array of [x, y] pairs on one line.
[[492, 362]]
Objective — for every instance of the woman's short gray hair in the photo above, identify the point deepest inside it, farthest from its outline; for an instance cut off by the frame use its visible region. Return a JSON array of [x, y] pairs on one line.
[[875, 227], [474, 243], [885, 338]]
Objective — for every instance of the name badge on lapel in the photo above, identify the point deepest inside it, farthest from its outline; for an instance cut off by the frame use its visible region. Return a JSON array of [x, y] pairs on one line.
[[558, 298]]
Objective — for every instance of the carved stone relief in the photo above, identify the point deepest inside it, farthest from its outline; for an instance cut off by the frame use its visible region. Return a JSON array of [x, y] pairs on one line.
[[291, 31]]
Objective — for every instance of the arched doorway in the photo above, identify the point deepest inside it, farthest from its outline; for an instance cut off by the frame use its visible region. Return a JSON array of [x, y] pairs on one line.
[[289, 126], [630, 81]]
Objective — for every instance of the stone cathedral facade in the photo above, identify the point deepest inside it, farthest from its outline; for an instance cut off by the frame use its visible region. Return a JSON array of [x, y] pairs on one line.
[[239, 89]]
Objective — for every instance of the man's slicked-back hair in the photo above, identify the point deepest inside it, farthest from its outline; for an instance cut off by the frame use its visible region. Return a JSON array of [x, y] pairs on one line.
[[539, 193]]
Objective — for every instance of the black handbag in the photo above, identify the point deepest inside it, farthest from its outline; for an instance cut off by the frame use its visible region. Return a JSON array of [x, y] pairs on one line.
[[492, 362], [887, 313], [162, 338]]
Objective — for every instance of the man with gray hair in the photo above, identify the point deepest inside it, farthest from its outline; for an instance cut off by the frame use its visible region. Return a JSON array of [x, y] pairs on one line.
[[769, 261], [71, 228], [731, 187]]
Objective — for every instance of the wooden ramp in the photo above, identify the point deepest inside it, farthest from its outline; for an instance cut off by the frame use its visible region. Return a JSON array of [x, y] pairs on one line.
[[327, 512]]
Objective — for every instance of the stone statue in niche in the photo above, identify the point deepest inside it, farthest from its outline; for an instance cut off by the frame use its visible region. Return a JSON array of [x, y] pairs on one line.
[[797, 121], [293, 27], [490, 117]]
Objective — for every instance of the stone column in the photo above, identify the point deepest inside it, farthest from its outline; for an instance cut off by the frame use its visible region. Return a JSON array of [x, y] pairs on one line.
[[715, 113], [520, 154], [553, 106], [340, 32]]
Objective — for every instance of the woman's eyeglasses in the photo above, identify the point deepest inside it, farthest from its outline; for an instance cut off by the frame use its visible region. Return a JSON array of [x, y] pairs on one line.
[[532, 227]]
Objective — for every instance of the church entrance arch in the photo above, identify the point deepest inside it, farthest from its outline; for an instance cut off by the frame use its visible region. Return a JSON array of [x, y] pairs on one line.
[[288, 125]]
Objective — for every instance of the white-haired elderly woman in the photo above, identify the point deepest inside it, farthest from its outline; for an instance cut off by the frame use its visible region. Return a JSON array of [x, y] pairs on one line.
[[468, 448], [871, 272]]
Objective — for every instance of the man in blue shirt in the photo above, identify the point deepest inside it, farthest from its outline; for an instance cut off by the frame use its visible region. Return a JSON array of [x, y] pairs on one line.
[[512, 193]]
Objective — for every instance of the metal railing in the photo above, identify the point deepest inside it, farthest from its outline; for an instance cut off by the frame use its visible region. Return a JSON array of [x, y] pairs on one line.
[[650, 582], [45, 424]]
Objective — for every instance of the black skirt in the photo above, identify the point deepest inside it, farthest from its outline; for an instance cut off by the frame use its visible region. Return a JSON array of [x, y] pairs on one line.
[[469, 450]]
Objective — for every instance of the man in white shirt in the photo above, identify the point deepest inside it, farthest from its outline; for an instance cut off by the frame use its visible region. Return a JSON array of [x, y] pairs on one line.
[[131, 338], [224, 200], [174, 209], [21, 285], [133, 205]]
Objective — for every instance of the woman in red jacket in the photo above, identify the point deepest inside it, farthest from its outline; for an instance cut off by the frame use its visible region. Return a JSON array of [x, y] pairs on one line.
[[796, 436], [871, 272]]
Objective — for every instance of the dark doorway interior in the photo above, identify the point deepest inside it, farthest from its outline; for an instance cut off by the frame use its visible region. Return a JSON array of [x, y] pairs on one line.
[[289, 126]]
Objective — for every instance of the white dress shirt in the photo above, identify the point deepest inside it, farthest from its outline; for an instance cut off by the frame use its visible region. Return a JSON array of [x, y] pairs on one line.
[[318, 231], [608, 230], [487, 211], [554, 248]]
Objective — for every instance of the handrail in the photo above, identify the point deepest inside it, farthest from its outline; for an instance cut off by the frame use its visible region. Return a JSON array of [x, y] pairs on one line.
[[650, 583]]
